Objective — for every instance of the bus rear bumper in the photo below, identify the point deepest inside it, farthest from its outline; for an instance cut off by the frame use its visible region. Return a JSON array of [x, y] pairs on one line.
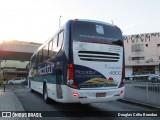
[[98, 100], [85, 96], [90, 96]]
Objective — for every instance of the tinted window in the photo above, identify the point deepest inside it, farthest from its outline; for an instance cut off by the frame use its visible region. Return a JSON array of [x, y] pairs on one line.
[[41, 56], [37, 59], [45, 52], [33, 61], [50, 48], [96, 32], [60, 39], [18, 79], [55, 42]]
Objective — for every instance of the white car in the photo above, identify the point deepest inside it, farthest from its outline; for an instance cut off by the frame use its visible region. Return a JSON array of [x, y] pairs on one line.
[[19, 80]]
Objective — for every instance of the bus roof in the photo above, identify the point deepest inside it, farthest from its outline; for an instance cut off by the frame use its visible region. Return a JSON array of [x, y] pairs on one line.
[[95, 21]]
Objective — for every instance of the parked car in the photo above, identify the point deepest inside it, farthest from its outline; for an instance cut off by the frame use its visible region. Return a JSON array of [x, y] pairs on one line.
[[18, 80], [155, 78], [25, 82]]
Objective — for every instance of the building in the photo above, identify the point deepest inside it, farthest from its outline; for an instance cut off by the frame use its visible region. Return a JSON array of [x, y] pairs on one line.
[[142, 54], [14, 58]]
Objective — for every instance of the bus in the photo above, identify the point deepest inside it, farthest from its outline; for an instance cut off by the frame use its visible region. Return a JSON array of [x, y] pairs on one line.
[[82, 63]]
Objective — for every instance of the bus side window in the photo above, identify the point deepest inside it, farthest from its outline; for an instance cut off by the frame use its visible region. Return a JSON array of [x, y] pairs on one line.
[[37, 59], [45, 52], [54, 47], [33, 60], [41, 56], [60, 38], [54, 43], [50, 52]]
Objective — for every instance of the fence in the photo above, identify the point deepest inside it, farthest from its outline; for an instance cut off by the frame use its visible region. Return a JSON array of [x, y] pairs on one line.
[[139, 92], [143, 92]]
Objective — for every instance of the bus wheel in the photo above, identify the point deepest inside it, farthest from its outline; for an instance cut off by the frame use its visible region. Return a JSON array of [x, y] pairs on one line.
[[32, 91], [45, 94]]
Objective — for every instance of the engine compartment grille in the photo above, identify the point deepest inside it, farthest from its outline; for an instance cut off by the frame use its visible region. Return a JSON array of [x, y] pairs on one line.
[[98, 56]]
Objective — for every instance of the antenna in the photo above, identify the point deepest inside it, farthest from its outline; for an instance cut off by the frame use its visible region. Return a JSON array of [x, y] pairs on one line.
[[60, 21]]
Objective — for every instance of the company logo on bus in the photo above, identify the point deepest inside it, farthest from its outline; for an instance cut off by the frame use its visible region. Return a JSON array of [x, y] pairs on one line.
[[43, 71]]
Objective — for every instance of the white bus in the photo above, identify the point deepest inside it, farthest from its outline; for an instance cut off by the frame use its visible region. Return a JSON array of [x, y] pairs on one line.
[[82, 63]]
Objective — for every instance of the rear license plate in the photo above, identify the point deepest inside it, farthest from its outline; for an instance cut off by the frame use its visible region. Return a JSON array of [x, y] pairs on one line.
[[100, 94]]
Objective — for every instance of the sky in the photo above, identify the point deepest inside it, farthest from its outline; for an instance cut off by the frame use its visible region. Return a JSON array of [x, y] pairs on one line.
[[38, 20]]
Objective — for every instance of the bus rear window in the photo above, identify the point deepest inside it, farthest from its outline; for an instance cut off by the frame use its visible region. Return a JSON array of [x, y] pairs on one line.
[[96, 32]]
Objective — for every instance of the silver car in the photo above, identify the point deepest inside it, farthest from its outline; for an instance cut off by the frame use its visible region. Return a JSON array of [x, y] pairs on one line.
[[18, 80]]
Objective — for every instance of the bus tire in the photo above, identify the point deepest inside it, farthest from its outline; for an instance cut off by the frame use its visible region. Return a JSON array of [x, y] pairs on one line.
[[32, 91], [45, 94]]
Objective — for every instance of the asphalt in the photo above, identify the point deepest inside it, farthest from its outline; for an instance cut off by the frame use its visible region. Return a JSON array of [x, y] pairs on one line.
[[10, 103]]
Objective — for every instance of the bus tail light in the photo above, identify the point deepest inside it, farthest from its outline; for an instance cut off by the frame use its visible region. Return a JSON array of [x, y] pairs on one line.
[[75, 94], [120, 92], [123, 77], [71, 77]]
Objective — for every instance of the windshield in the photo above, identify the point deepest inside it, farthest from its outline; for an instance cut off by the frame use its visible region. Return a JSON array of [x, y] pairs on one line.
[[96, 32]]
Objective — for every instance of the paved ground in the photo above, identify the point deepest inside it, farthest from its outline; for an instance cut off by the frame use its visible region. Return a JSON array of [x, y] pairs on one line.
[[9, 102]]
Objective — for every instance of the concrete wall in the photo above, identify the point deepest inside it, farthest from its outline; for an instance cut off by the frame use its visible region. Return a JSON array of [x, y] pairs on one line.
[[14, 57], [14, 64], [150, 45], [19, 46]]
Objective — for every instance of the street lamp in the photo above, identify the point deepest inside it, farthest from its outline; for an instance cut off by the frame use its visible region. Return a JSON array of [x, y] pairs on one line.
[[60, 21]]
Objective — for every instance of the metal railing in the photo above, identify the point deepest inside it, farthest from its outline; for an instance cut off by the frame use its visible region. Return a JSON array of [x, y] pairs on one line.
[[6, 87], [143, 92]]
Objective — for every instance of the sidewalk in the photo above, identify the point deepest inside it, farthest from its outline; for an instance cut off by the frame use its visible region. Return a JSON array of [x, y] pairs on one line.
[[10, 102]]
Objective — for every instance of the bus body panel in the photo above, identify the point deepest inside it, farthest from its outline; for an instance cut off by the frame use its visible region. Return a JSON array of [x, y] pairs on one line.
[[91, 70], [85, 95], [37, 86]]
